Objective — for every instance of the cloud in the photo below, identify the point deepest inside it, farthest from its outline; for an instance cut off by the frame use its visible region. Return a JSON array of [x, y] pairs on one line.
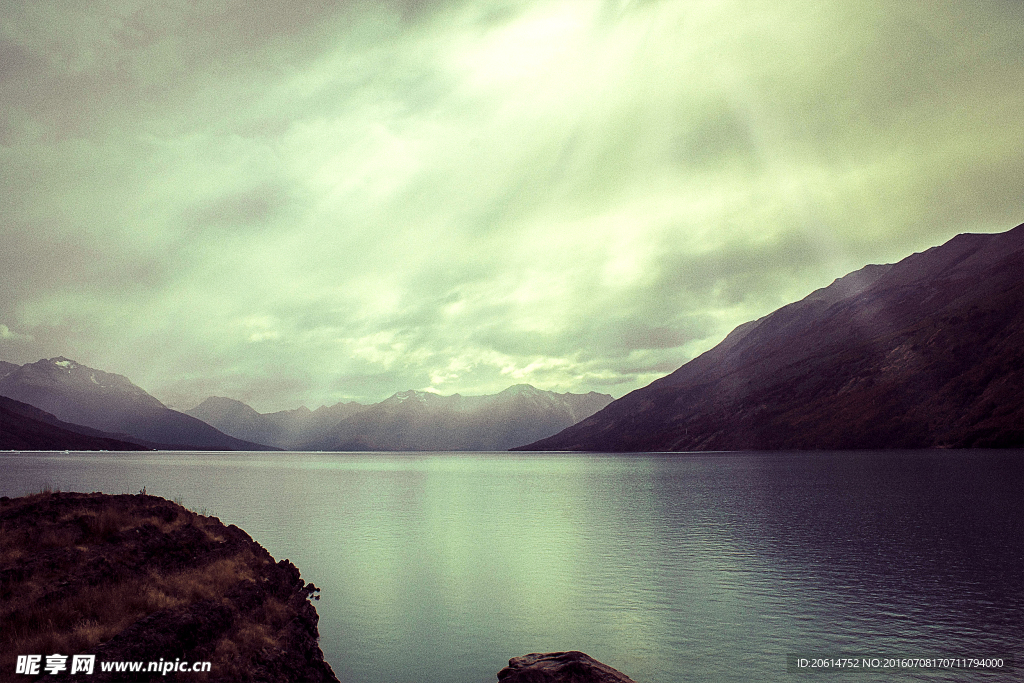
[[302, 204], [7, 334]]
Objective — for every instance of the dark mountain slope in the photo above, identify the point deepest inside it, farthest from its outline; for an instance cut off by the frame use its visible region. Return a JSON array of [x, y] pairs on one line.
[[928, 352], [25, 427], [233, 418], [111, 403]]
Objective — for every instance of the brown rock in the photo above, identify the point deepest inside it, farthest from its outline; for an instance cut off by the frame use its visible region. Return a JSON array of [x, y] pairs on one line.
[[141, 579], [559, 667]]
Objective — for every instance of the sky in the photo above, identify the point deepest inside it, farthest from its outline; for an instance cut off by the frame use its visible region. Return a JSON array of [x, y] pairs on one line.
[[295, 203]]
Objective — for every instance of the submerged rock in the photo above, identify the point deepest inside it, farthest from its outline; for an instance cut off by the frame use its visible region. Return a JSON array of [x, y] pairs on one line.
[[559, 667]]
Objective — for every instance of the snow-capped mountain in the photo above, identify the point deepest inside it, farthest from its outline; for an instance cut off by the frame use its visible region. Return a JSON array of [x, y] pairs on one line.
[[81, 395]]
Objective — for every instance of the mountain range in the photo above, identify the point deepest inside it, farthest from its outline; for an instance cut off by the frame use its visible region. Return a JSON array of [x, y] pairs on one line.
[[59, 404], [924, 353], [409, 421], [285, 429], [86, 397]]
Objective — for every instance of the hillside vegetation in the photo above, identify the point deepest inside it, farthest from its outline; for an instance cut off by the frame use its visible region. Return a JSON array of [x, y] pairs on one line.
[[137, 577]]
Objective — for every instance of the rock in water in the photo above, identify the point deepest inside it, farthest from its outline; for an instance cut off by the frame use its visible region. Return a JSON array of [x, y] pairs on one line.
[[559, 667]]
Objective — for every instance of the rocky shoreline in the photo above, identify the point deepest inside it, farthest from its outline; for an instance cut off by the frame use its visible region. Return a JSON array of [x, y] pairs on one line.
[[140, 579], [136, 578]]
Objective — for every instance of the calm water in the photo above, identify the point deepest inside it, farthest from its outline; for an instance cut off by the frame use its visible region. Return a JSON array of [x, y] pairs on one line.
[[709, 567]]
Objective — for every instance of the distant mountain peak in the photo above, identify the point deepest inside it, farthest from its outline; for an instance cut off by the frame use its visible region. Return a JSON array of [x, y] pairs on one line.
[[219, 405], [222, 401], [64, 371], [412, 394], [522, 390], [78, 394], [66, 363]]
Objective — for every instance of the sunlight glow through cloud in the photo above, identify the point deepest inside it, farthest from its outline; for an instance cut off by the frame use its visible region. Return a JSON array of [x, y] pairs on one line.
[[330, 204]]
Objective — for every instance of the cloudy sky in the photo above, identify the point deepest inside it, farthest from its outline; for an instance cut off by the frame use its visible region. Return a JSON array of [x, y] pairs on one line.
[[301, 203]]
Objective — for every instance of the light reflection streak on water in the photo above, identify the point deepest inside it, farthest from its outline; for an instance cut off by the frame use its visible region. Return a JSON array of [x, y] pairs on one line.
[[664, 566]]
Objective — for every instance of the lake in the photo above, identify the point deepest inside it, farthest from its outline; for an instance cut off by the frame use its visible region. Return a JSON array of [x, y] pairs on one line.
[[670, 568]]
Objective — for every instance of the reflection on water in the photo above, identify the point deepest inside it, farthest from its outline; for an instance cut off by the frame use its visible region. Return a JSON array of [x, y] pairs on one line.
[[668, 567]]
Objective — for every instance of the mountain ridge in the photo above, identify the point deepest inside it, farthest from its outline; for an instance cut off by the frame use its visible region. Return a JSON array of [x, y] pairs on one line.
[[411, 420], [925, 352], [25, 427], [108, 402], [922, 353]]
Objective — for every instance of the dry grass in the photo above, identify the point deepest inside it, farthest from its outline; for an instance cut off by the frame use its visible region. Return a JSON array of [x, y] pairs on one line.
[[9, 551], [207, 583], [78, 622], [239, 647], [42, 610]]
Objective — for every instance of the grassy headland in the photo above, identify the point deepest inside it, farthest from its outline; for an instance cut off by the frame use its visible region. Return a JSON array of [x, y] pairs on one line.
[[139, 578]]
